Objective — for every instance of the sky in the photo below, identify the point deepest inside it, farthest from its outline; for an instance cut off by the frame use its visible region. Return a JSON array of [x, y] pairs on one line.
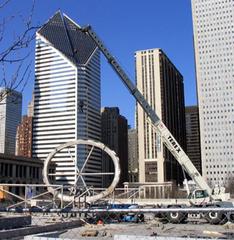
[[125, 26]]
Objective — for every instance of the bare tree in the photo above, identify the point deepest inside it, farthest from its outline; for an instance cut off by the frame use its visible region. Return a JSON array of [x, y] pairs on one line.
[[15, 63]]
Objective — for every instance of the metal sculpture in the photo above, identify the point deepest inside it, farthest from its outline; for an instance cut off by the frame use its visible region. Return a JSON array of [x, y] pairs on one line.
[[72, 196]]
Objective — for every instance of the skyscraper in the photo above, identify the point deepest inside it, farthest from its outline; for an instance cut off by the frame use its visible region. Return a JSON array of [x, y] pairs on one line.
[[115, 136], [162, 86], [10, 115], [31, 107], [66, 96], [132, 156], [214, 52], [24, 137], [193, 136], [24, 134]]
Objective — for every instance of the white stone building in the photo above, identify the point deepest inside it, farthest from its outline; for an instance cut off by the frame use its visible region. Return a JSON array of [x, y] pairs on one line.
[[213, 25], [162, 86]]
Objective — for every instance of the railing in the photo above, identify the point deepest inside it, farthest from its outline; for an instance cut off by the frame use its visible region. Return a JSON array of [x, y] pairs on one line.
[[13, 195]]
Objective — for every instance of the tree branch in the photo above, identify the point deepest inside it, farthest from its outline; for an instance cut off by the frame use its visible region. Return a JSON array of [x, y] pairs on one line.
[[14, 55], [4, 3]]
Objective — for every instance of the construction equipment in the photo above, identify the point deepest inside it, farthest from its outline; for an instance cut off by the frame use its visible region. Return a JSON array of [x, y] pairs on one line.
[[204, 195]]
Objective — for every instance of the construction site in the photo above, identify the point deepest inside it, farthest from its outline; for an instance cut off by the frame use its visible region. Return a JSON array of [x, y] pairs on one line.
[[79, 210], [45, 217]]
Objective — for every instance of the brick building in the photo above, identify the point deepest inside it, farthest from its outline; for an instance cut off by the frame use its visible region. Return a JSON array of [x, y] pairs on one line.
[[24, 137]]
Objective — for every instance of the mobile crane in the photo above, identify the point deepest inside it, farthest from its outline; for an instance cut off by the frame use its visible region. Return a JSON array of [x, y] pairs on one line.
[[204, 195]]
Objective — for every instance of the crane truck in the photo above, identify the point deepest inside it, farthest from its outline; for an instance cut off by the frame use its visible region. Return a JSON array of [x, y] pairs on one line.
[[203, 196]]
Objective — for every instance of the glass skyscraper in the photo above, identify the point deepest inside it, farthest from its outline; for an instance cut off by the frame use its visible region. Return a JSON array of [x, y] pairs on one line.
[[66, 96]]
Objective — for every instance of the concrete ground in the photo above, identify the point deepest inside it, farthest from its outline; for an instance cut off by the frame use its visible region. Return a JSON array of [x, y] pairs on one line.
[[194, 228], [197, 229]]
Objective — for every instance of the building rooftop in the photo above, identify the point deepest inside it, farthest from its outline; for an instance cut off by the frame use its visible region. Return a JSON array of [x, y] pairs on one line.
[[7, 157], [67, 36]]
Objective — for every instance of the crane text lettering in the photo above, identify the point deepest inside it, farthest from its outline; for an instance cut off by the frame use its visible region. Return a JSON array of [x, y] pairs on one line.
[[174, 144]]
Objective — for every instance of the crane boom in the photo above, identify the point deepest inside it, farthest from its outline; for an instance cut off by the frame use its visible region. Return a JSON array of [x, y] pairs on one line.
[[168, 139]]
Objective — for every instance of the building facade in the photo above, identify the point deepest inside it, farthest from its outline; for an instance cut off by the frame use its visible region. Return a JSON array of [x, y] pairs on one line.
[[10, 116], [162, 86], [66, 97], [193, 136], [24, 133], [24, 137], [214, 53], [20, 170], [115, 136], [132, 156], [31, 107]]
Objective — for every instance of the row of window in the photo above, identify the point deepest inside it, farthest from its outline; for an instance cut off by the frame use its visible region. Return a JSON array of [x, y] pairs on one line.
[[214, 112], [219, 172], [220, 179], [221, 166]]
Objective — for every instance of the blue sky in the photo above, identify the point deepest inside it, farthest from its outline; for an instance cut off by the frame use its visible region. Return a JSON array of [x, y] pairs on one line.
[[125, 26]]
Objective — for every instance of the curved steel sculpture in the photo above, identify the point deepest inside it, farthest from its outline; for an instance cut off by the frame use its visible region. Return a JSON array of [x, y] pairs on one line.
[[80, 174]]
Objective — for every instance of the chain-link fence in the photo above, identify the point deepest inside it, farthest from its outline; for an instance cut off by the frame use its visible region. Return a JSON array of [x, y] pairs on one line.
[[117, 222], [32, 212]]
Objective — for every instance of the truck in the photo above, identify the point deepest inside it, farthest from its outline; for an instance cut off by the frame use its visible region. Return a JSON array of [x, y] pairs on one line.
[[107, 217], [202, 196]]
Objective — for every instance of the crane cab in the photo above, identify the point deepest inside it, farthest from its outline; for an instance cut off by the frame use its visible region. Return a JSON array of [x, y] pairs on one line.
[[199, 197]]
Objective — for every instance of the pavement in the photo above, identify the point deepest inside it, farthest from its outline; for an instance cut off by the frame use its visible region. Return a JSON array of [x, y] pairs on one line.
[[196, 230]]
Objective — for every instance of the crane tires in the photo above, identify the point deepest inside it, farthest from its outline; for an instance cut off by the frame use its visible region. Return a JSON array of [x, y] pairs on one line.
[[176, 217], [231, 218], [216, 218]]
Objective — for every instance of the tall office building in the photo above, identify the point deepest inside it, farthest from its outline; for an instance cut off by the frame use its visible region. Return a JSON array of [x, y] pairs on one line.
[[24, 133], [31, 107], [66, 97], [162, 86], [214, 52], [132, 156], [10, 115], [24, 137], [115, 136], [193, 136]]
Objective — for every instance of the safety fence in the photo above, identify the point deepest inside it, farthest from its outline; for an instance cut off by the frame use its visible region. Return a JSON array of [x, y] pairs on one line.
[[28, 195], [114, 221]]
